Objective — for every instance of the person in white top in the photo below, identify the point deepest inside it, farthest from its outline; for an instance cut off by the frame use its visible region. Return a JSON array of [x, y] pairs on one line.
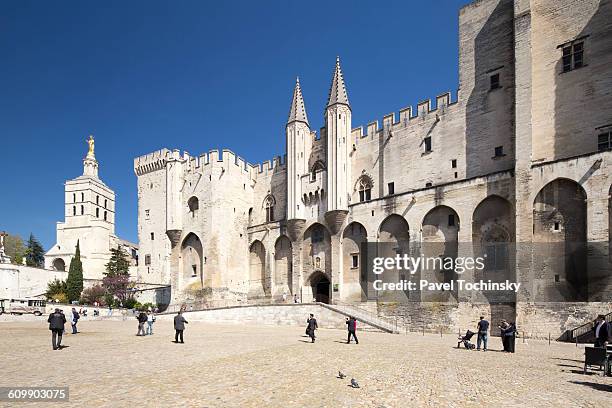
[[150, 321]]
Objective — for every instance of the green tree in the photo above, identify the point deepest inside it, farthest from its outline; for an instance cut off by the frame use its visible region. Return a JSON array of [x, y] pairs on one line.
[[14, 248], [118, 263], [74, 282], [35, 254], [56, 289]]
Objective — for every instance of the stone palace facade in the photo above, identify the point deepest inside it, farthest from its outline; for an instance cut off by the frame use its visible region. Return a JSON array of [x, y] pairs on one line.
[[520, 155]]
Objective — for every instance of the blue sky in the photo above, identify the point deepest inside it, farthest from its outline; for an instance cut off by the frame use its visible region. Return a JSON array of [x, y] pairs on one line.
[[193, 75]]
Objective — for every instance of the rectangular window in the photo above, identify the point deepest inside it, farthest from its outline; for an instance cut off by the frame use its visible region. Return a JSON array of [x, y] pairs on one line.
[[428, 184], [361, 196], [354, 261], [147, 214], [494, 81], [391, 187], [499, 151], [451, 220], [194, 270], [427, 143], [454, 163], [573, 56], [604, 141], [147, 259]]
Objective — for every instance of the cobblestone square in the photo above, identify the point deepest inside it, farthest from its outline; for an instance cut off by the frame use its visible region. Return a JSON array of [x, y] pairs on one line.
[[107, 365]]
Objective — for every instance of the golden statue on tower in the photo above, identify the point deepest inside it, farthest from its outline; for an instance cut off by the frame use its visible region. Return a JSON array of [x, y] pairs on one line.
[[90, 142]]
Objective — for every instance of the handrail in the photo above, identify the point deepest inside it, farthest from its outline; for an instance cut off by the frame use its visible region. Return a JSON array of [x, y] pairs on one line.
[[585, 328]]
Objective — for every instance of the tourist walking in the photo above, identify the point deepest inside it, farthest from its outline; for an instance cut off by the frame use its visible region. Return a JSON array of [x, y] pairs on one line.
[[312, 326], [295, 299], [351, 325], [150, 321], [601, 329], [74, 319], [142, 319], [483, 336], [56, 321], [179, 327], [110, 311]]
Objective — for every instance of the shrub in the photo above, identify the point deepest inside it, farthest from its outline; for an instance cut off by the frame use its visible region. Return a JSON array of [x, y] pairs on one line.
[[94, 294]]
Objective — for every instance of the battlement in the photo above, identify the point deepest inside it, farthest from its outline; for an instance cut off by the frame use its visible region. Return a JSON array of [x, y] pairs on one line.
[[406, 116], [152, 161], [157, 160]]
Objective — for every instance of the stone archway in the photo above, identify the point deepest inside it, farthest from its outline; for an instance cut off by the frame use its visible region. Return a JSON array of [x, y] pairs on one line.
[[257, 269], [192, 255], [393, 240], [493, 241], [282, 266], [559, 236], [59, 264], [354, 277], [440, 239], [321, 287]]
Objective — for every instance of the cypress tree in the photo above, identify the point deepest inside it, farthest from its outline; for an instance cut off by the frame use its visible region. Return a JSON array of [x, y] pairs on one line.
[[35, 254], [74, 282]]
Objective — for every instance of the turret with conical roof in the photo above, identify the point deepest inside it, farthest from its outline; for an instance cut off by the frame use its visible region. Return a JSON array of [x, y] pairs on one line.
[[337, 91], [299, 147], [339, 145], [297, 113]]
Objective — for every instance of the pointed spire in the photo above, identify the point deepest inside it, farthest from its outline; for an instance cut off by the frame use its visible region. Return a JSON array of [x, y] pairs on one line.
[[337, 92], [297, 113]]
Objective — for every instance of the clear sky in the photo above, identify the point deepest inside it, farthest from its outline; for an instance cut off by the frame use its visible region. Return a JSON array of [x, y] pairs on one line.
[[193, 75]]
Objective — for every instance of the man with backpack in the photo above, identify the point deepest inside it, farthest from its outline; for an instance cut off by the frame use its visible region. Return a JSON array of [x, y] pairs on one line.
[[351, 325]]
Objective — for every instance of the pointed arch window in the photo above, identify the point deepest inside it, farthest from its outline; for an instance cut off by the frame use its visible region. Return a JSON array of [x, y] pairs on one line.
[[269, 203], [316, 168], [365, 189]]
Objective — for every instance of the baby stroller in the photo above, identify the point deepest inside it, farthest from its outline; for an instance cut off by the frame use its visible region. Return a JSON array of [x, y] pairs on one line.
[[466, 340]]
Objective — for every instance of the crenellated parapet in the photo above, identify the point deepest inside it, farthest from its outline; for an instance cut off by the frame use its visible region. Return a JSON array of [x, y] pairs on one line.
[[406, 116], [151, 162]]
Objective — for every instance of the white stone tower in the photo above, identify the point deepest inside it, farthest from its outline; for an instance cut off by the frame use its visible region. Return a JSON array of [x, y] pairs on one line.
[[89, 218], [338, 126], [299, 146]]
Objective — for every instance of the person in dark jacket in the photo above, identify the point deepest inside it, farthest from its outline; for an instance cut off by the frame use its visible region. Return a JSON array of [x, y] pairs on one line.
[[142, 319], [312, 326], [179, 326], [56, 321], [351, 325], [483, 335], [601, 329], [510, 335], [74, 320], [503, 325]]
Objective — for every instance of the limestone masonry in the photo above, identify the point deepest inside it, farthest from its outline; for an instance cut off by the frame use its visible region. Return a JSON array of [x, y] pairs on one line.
[[520, 155]]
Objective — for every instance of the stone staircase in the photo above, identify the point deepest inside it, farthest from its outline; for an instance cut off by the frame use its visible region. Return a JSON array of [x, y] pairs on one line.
[[583, 333], [365, 313], [286, 314]]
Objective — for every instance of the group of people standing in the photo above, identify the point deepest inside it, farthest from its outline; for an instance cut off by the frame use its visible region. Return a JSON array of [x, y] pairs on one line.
[[57, 322], [507, 332], [149, 319]]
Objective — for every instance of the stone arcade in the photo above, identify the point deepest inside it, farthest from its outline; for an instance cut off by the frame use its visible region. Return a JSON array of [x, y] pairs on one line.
[[522, 154]]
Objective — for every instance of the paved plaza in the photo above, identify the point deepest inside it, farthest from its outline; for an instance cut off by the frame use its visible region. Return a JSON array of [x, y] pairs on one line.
[[106, 365]]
